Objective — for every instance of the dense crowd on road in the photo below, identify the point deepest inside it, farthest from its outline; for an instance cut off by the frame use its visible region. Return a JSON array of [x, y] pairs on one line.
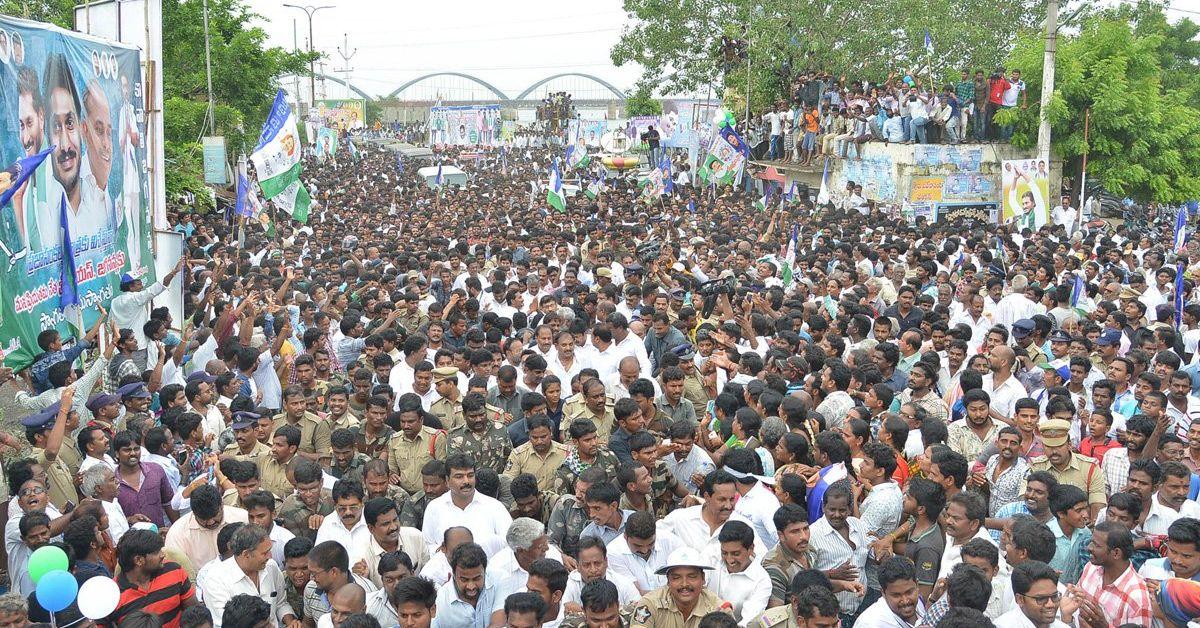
[[460, 408]]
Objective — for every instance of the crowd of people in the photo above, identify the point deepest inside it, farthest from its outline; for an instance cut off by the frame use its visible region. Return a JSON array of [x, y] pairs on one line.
[[459, 408], [827, 116]]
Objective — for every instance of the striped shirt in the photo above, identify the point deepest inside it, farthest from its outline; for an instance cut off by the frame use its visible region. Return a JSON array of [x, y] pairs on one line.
[[830, 549], [1125, 601], [163, 596]]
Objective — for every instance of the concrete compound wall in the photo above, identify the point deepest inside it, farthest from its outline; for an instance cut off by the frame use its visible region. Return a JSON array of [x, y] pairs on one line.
[[937, 173]]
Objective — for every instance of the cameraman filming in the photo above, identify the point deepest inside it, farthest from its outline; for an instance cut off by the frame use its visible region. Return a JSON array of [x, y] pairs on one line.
[[650, 137]]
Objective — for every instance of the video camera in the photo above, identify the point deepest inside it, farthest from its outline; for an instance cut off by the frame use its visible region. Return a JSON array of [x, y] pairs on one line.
[[710, 290], [649, 251]]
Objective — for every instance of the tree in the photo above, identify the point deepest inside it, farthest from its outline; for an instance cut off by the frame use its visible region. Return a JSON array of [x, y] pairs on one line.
[[1143, 137], [642, 102], [58, 12], [686, 46], [245, 76], [245, 73]]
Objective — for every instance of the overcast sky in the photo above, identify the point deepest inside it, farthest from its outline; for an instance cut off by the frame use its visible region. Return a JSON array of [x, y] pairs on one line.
[[398, 40]]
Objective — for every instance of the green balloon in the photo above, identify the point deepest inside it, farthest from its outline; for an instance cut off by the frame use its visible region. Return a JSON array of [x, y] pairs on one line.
[[44, 560], [729, 119]]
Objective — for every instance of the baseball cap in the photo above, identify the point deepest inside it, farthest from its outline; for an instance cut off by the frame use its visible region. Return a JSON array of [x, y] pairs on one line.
[[1109, 337]]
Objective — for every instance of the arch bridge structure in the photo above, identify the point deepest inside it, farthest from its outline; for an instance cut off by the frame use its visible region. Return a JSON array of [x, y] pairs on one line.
[[599, 91]]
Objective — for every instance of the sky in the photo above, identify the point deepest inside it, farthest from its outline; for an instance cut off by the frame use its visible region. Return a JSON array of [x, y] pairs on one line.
[[399, 40]]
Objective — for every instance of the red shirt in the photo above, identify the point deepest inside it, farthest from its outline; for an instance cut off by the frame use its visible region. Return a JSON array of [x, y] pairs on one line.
[[164, 596], [1088, 447], [996, 90], [902, 472]]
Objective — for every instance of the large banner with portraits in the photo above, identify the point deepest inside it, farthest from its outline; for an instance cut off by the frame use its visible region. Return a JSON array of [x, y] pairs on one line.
[[468, 125], [343, 114], [83, 97], [1026, 195]]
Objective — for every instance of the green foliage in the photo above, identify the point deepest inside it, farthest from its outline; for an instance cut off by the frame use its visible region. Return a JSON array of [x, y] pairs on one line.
[[244, 80], [1144, 135], [58, 12], [680, 43], [244, 71], [642, 102], [185, 173]]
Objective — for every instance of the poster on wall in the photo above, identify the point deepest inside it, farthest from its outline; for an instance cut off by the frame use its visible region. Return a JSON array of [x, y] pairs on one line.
[[327, 142], [81, 98], [343, 114], [467, 125], [590, 131], [1025, 191]]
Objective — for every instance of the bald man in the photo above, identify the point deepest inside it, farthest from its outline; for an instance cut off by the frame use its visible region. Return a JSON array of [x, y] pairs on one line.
[[97, 210], [347, 601], [1001, 385]]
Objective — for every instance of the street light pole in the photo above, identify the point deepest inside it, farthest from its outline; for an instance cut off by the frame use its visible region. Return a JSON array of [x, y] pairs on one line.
[[1051, 48], [309, 10]]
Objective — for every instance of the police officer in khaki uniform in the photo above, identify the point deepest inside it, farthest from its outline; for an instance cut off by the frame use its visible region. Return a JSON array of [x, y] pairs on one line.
[[684, 600], [448, 407], [1067, 465], [693, 383], [246, 445], [411, 447], [486, 440], [540, 457], [314, 433], [597, 407], [811, 607], [46, 431]]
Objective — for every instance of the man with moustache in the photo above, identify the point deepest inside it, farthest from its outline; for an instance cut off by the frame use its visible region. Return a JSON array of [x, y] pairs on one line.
[[96, 211]]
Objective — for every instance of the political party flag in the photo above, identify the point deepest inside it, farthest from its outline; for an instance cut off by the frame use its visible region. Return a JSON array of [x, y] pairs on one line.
[[791, 193], [68, 297], [825, 478], [554, 193], [399, 163], [789, 259], [1179, 295], [928, 42], [353, 149], [1181, 229], [13, 177], [762, 203], [1078, 291], [692, 205], [437, 180], [664, 165], [243, 192], [593, 189], [277, 161], [823, 196]]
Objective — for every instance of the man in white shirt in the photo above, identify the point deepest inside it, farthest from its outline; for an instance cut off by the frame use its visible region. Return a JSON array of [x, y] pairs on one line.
[[900, 606], [527, 542], [739, 577], [1036, 586], [386, 535], [461, 505], [1065, 215], [641, 551], [346, 526], [1170, 503], [758, 502], [699, 527], [592, 565], [260, 511], [249, 571]]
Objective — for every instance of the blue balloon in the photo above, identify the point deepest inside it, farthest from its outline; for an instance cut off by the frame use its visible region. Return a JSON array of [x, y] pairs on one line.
[[56, 590]]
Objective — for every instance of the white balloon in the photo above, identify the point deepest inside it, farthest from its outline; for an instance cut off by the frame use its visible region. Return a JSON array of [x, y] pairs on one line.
[[98, 597]]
